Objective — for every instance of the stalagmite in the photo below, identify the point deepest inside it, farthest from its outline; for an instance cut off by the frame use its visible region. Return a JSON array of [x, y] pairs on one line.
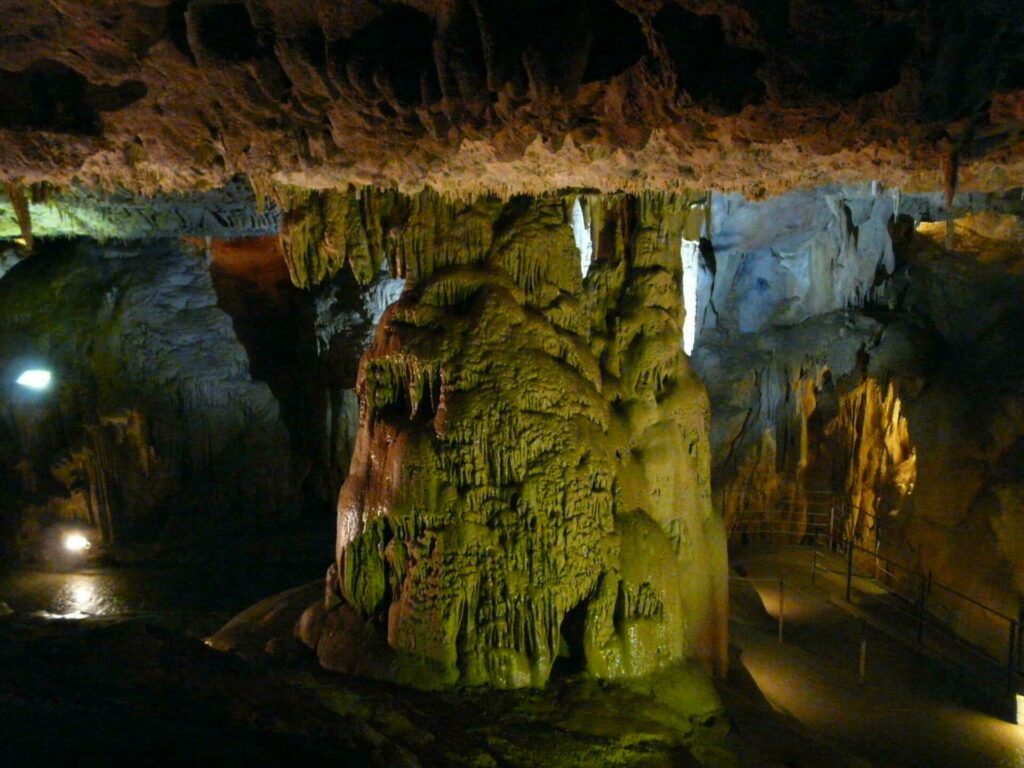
[[16, 194], [531, 473]]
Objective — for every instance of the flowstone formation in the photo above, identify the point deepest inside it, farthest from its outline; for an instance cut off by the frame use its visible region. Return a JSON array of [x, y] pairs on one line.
[[530, 484], [809, 353], [784, 351]]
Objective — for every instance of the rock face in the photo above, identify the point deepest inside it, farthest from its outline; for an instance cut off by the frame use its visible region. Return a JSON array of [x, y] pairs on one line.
[[800, 425], [531, 473], [154, 431], [480, 96], [852, 359], [966, 422], [229, 211], [782, 354]]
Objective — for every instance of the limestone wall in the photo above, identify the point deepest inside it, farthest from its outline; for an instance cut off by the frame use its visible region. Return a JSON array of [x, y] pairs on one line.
[[899, 400], [154, 431]]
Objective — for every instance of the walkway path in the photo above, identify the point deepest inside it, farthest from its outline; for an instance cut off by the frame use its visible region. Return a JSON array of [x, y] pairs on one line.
[[910, 712]]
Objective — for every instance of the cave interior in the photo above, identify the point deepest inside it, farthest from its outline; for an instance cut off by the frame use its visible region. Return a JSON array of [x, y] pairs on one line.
[[486, 383]]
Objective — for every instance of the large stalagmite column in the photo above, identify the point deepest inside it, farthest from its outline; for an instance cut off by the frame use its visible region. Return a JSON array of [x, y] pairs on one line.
[[531, 474]]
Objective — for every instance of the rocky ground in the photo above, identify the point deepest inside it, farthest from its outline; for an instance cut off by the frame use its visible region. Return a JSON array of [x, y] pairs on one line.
[[112, 691]]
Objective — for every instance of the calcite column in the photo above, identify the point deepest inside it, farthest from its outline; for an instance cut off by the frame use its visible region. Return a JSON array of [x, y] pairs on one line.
[[531, 473]]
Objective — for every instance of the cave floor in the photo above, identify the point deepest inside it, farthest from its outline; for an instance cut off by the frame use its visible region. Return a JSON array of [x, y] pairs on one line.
[[910, 709], [125, 678], [133, 682], [124, 691]]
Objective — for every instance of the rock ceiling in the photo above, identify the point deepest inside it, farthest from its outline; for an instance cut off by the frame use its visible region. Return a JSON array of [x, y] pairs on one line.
[[474, 95]]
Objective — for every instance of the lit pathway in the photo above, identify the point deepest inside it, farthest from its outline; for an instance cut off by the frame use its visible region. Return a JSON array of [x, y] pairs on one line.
[[909, 712]]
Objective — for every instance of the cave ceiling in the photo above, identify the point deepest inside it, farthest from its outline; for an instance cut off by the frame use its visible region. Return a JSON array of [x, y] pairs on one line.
[[467, 96]]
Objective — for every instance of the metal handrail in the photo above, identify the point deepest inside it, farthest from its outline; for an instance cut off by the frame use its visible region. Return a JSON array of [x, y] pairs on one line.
[[810, 527], [1015, 642]]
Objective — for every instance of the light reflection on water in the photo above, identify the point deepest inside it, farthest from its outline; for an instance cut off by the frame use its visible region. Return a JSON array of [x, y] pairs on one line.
[[196, 596], [83, 595]]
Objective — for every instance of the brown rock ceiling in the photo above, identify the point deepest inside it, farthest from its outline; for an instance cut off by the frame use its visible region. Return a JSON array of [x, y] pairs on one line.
[[470, 95]]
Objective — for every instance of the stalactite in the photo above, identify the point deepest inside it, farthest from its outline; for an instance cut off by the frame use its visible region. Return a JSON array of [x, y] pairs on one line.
[[323, 231], [862, 458], [16, 194]]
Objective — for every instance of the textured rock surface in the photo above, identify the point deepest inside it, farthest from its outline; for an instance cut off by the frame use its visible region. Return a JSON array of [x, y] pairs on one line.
[[474, 96], [896, 392], [226, 212], [154, 429], [798, 424], [783, 349], [967, 423], [530, 478]]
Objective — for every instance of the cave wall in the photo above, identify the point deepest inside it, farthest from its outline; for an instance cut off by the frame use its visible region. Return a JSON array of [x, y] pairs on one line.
[[301, 335], [782, 344], [530, 480], [78, 210], [967, 420], [154, 432], [855, 363], [793, 257]]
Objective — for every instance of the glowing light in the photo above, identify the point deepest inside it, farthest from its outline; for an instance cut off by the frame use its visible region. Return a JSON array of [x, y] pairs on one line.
[[35, 379], [83, 595], [1020, 709], [581, 233], [690, 254], [76, 542], [80, 597]]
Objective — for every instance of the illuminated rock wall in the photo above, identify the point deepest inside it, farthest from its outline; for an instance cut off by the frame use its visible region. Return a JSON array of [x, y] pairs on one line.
[[903, 408], [789, 358], [154, 431], [531, 472], [805, 418], [965, 523]]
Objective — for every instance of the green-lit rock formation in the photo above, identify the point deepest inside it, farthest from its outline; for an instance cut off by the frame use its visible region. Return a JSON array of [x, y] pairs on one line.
[[530, 479], [42, 211]]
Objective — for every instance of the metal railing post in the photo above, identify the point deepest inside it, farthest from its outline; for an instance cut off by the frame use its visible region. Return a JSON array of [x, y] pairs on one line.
[[1011, 662], [1020, 643], [814, 562], [863, 652], [925, 588], [782, 605], [849, 572]]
